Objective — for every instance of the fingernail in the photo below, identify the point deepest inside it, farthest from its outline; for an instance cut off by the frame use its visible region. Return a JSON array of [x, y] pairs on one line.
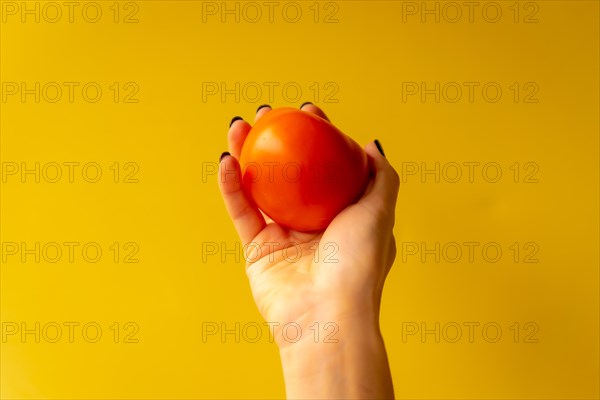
[[235, 119], [379, 147], [262, 106], [223, 155], [305, 104]]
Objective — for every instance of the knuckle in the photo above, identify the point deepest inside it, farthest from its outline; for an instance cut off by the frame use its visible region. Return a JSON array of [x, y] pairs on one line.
[[394, 178]]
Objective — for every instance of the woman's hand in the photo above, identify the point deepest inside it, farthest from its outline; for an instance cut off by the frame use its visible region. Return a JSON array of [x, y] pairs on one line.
[[333, 278]]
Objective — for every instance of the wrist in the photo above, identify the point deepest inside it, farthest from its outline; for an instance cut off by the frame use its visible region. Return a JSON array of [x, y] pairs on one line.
[[327, 323], [346, 359]]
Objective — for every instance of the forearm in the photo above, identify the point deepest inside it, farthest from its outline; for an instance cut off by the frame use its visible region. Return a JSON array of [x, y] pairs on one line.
[[356, 367]]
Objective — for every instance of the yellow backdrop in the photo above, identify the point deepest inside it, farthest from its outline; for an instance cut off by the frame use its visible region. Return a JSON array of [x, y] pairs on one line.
[[121, 275]]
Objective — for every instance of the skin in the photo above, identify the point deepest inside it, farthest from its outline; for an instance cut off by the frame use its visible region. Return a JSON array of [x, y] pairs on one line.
[[343, 290]]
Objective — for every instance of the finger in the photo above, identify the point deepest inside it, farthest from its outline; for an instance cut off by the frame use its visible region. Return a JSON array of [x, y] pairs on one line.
[[310, 107], [247, 219], [261, 110], [238, 130], [383, 193]]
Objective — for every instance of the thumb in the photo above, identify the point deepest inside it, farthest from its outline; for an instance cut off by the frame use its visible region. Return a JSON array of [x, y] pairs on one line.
[[380, 198]]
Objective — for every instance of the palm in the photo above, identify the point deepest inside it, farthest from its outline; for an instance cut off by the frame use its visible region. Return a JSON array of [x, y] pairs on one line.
[[299, 274], [283, 280]]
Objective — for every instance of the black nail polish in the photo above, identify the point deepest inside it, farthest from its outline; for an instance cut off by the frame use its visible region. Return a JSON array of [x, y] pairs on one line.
[[305, 104], [236, 118], [262, 106], [223, 155], [379, 147]]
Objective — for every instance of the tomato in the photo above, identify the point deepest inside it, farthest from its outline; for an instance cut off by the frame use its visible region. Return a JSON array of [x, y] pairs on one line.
[[301, 170]]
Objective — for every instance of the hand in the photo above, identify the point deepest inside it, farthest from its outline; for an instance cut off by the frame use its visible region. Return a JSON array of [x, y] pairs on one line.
[[359, 245]]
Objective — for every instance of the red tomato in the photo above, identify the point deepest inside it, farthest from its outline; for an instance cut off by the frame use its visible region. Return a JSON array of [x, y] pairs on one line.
[[300, 170]]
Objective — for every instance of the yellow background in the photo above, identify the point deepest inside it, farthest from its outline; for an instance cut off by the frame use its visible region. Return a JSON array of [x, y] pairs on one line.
[[173, 136]]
